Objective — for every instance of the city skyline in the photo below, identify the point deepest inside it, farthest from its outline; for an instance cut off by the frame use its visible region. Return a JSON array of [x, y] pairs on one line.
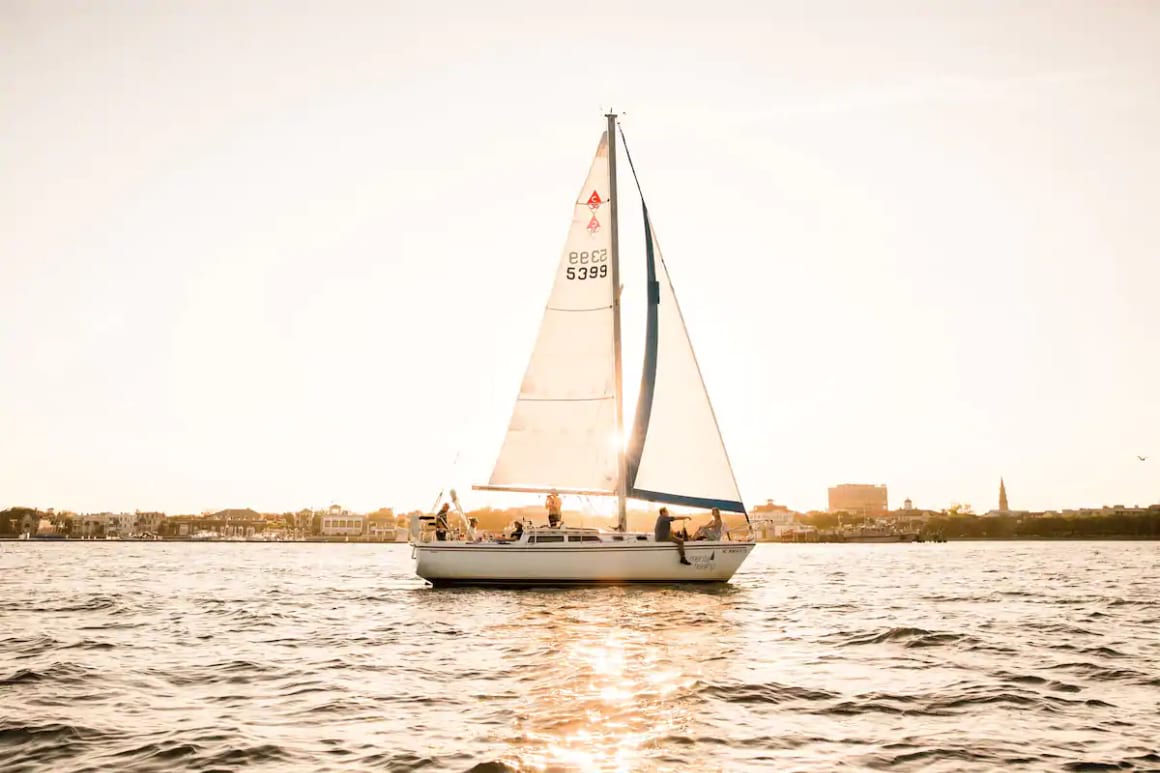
[[291, 259], [872, 494]]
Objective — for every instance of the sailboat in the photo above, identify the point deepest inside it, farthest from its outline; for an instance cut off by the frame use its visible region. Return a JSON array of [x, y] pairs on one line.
[[566, 429]]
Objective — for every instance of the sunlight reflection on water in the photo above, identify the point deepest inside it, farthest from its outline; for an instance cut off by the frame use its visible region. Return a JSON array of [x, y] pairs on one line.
[[614, 690]]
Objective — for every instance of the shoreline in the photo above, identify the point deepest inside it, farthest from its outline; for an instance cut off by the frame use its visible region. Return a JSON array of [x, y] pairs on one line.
[[1113, 538], [336, 541], [175, 540]]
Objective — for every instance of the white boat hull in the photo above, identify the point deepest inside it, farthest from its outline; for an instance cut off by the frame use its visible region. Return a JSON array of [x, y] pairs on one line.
[[595, 563]]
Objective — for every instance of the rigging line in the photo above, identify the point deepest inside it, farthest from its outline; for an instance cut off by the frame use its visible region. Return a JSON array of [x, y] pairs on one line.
[[454, 465], [628, 155]]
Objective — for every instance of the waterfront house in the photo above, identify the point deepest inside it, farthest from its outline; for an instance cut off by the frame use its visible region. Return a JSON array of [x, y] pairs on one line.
[[16, 521], [343, 524], [380, 525], [772, 521]]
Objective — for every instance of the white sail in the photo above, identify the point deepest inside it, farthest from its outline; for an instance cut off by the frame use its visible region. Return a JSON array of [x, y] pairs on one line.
[[677, 454], [563, 429]]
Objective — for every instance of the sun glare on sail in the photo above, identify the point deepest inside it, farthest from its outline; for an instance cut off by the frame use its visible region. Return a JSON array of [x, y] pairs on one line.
[[617, 442]]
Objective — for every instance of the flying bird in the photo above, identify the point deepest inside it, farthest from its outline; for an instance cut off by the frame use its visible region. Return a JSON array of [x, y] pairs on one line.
[[1142, 458]]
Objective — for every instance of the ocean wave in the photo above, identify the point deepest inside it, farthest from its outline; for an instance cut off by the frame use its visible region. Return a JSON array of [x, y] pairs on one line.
[[61, 672], [112, 603], [1103, 673], [492, 766], [1058, 627], [858, 707], [164, 753], [928, 756], [23, 676], [910, 637], [45, 743], [27, 646], [408, 761], [1039, 681], [225, 672], [764, 693], [240, 757], [89, 644], [13, 733]]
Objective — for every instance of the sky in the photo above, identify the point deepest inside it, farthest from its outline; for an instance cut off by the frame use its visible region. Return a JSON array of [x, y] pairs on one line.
[[289, 254]]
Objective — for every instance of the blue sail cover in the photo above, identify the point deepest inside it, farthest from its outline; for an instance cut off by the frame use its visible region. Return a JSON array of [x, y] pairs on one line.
[[675, 454]]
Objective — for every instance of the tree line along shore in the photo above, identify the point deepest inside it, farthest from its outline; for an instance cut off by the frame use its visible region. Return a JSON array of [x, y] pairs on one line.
[[960, 526], [384, 525]]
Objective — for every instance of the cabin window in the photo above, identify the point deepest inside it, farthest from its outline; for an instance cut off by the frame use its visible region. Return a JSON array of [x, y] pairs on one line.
[[641, 538], [586, 538], [548, 538]]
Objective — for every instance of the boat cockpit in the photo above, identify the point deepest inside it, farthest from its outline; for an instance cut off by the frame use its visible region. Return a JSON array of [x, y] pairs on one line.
[[539, 535], [423, 531]]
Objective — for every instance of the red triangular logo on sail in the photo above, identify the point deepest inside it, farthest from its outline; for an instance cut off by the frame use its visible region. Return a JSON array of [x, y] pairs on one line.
[[594, 201], [593, 225]]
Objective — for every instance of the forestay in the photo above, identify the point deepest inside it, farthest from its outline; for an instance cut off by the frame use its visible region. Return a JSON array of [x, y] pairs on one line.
[[563, 428], [676, 454]]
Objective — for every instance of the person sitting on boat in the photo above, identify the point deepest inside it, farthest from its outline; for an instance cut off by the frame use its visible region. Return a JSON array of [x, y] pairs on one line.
[[517, 531], [553, 504], [712, 530], [664, 531], [441, 523]]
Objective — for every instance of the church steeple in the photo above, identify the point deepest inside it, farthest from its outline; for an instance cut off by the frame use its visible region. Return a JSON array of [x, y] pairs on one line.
[[1003, 497]]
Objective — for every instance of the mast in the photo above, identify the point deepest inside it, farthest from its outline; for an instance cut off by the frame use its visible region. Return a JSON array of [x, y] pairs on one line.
[[621, 472]]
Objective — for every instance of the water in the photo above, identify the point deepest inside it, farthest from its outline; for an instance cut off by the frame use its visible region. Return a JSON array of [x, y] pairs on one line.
[[964, 656]]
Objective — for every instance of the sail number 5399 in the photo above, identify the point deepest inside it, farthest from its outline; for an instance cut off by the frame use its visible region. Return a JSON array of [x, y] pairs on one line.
[[587, 265]]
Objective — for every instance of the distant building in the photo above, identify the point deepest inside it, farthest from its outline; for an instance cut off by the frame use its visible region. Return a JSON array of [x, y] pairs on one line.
[[225, 523], [769, 508], [342, 524], [19, 520], [104, 525], [911, 518], [148, 523], [380, 525], [1118, 510], [858, 499], [1003, 508], [771, 521]]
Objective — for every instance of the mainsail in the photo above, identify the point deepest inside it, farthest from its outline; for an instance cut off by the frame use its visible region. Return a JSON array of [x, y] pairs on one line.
[[676, 454], [563, 428]]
